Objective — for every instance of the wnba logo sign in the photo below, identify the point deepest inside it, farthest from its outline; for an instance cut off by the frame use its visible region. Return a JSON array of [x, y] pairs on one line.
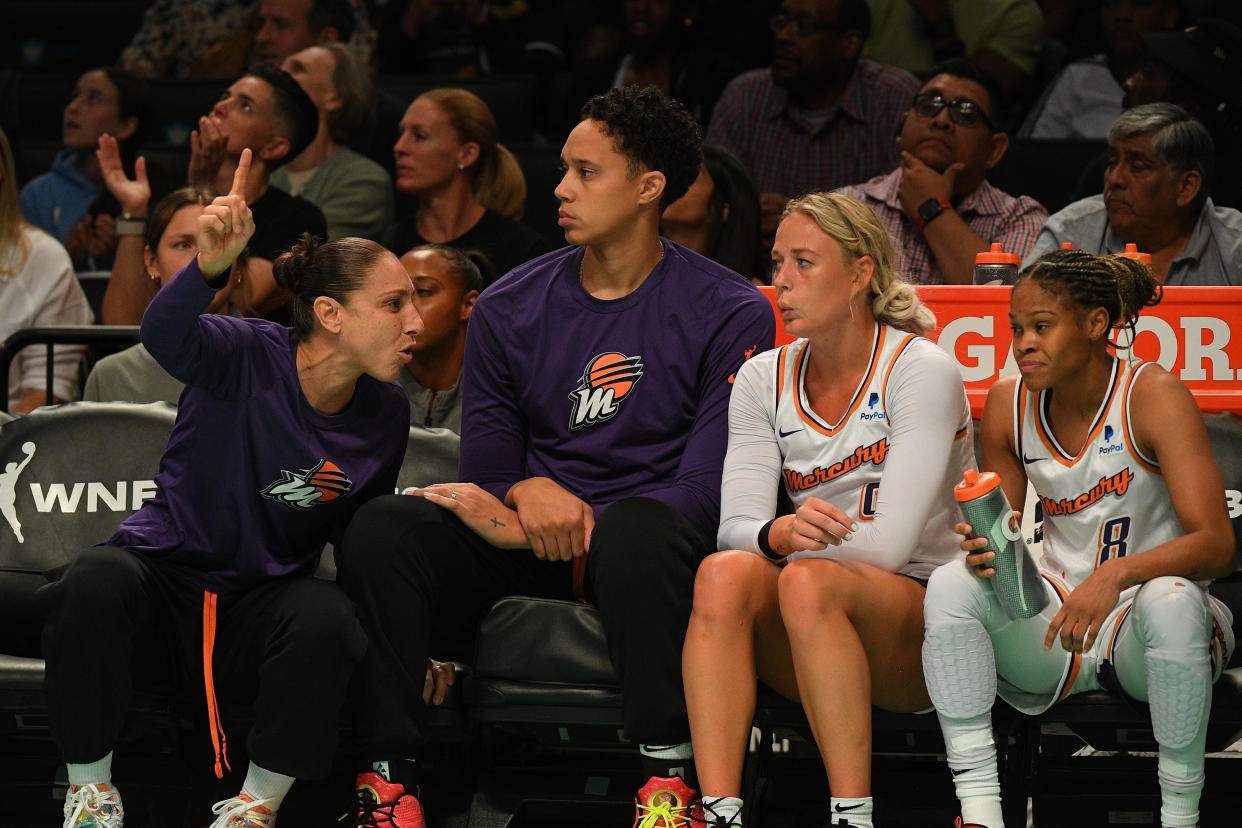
[[607, 380]]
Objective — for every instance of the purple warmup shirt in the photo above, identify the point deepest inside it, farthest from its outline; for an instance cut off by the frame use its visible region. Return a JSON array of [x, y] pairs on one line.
[[609, 398], [254, 480]]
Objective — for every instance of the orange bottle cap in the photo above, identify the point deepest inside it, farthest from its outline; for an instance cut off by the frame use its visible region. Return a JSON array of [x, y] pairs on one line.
[[1132, 252], [975, 484], [997, 255]]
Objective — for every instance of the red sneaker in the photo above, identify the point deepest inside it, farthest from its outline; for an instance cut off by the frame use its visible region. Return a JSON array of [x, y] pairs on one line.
[[384, 804], [667, 802]]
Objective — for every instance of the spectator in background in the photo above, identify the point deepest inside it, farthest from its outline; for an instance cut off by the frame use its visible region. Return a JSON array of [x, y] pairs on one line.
[[431, 37], [1084, 99], [1199, 69], [937, 205], [820, 117], [1002, 36], [354, 193], [171, 240], [37, 287], [183, 38], [719, 216], [470, 189], [658, 50], [217, 38], [59, 201], [265, 111], [446, 283], [1156, 185]]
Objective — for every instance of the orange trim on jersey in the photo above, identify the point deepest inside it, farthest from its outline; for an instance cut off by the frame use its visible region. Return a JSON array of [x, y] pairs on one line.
[[961, 432], [1131, 443], [780, 376], [1112, 638], [884, 385], [1018, 418], [809, 417], [218, 740], [1071, 675], [1046, 438]]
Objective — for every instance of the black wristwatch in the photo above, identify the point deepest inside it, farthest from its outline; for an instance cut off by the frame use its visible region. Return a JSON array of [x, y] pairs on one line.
[[931, 208]]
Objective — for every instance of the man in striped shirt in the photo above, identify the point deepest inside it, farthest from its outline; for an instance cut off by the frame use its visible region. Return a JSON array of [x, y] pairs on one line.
[[937, 205], [819, 117]]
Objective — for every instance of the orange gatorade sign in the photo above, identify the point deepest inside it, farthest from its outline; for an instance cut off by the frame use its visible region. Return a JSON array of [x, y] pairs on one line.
[[1189, 333]]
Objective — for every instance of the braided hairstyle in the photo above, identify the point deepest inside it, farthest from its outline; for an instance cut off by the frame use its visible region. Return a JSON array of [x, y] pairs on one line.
[[1121, 285], [311, 269]]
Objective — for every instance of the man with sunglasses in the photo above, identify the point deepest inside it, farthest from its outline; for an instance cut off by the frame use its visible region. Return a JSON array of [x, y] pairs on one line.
[[819, 117], [937, 205]]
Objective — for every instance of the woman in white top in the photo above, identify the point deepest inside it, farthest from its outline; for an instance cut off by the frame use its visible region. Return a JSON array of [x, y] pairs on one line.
[[37, 287], [864, 427], [1134, 515]]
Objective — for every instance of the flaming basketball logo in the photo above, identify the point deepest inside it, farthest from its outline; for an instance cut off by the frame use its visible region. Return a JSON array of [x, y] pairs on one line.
[[608, 379], [304, 489]]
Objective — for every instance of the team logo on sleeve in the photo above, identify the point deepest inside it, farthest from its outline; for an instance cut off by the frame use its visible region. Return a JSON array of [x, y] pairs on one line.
[[304, 489], [607, 380]]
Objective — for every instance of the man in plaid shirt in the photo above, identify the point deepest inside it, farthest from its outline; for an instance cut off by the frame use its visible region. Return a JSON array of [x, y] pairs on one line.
[[819, 117], [938, 208]]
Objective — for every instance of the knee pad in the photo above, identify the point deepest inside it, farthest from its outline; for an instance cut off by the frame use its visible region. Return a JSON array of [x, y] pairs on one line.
[[1179, 695], [959, 667], [1174, 621]]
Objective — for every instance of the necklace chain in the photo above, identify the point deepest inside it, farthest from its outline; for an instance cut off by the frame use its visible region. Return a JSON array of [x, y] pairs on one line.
[[582, 262]]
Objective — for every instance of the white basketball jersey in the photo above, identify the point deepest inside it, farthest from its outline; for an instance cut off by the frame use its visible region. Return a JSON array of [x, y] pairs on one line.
[[1106, 502], [842, 462]]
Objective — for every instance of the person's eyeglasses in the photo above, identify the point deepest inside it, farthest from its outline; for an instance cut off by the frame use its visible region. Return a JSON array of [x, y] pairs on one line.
[[802, 26], [963, 111]]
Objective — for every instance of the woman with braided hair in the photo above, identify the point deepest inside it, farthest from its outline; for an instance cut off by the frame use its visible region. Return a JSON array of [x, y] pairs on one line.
[[1135, 526]]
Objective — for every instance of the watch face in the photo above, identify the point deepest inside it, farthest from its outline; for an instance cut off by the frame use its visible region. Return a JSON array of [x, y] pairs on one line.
[[929, 209]]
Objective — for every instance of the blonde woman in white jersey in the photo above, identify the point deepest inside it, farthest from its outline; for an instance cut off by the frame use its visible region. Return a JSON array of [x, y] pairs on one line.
[[864, 425], [1135, 525]]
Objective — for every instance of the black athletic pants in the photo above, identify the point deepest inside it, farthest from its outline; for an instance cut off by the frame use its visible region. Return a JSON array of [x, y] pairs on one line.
[[287, 646], [422, 582]]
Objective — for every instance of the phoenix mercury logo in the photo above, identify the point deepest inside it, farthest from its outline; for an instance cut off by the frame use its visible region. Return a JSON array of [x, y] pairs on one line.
[[606, 381], [304, 489]]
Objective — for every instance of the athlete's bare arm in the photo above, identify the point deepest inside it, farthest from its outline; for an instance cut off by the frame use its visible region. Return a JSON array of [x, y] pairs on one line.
[[1168, 425]]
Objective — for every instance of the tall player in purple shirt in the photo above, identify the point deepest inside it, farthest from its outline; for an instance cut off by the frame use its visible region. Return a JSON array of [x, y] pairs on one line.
[[594, 421], [280, 435]]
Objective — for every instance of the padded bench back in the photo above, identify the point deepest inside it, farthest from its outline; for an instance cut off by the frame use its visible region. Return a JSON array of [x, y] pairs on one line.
[[71, 473]]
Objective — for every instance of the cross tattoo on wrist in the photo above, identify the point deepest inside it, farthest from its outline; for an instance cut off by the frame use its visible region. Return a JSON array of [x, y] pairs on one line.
[[496, 522]]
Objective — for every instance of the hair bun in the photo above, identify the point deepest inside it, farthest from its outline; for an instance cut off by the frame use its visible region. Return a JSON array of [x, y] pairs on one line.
[[289, 268]]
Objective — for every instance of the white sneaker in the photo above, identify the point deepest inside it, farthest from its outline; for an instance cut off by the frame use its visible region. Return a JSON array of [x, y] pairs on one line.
[[242, 812], [93, 806]]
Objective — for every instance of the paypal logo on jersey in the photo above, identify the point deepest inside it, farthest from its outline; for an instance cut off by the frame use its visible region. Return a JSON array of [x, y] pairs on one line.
[[872, 401], [1109, 446]]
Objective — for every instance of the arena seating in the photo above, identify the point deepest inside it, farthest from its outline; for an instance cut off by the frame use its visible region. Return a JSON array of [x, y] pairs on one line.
[[100, 340]]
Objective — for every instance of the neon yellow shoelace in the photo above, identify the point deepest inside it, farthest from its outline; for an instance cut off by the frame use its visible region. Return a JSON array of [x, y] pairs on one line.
[[674, 816]]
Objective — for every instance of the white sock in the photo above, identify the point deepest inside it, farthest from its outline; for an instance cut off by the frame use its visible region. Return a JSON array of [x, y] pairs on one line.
[[723, 811], [978, 791], [98, 772], [265, 784], [854, 812], [684, 750]]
